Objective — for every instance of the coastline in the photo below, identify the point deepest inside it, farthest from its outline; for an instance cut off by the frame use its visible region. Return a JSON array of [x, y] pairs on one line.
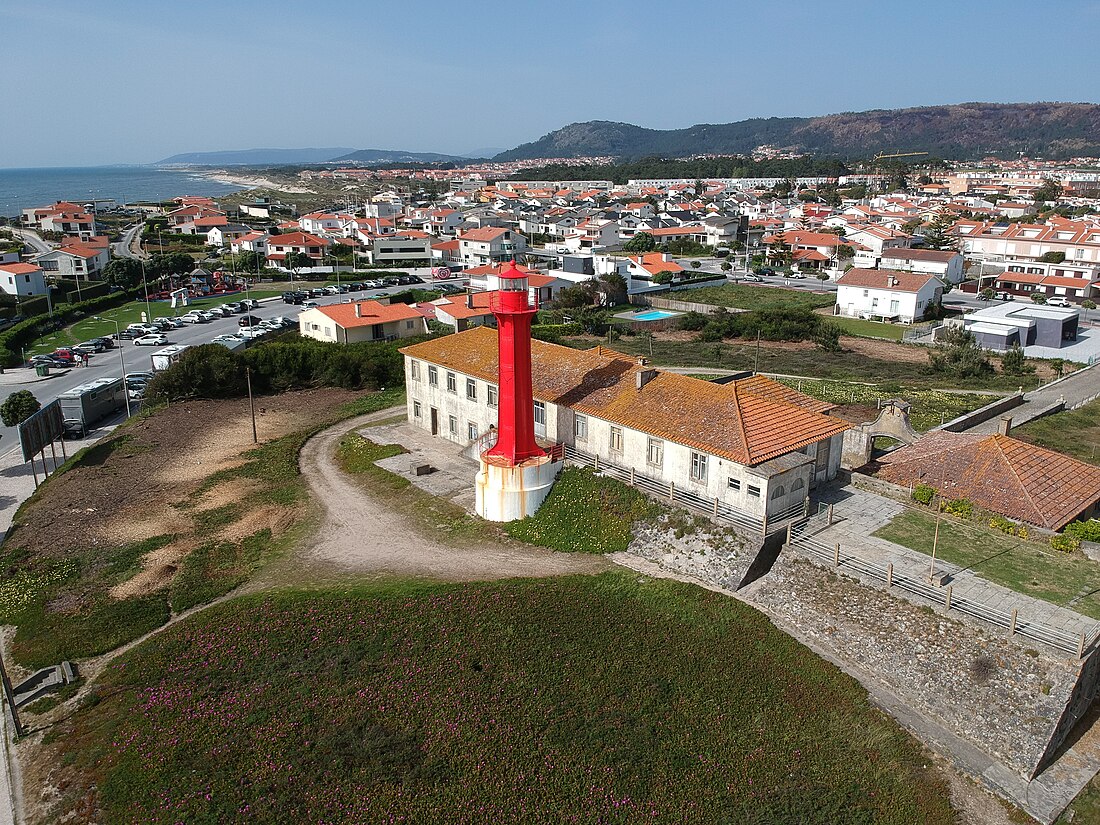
[[252, 182]]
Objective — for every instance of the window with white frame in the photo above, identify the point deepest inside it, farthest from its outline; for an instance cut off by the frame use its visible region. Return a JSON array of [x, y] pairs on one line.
[[414, 370], [580, 427], [491, 392], [471, 431], [616, 440], [698, 466], [416, 409], [433, 376], [452, 383], [540, 413], [655, 452], [452, 422], [471, 389]]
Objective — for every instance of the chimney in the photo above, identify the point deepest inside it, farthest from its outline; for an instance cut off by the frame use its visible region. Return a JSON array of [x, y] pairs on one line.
[[358, 310], [643, 377], [469, 299], [1004, 425]]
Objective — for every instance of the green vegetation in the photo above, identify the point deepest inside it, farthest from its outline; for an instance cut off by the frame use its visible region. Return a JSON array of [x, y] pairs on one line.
[[18, 407], [743, 296], [1074, 432], [929, 407], [584, 513], [616, 698], [868, 329], [1026, 567]]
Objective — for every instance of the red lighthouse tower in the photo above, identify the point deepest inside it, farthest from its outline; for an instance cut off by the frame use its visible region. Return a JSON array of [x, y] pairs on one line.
[[516, 473], [516, 404]]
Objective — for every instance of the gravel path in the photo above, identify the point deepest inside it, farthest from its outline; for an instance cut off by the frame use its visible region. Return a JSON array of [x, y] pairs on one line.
[[361, 533]]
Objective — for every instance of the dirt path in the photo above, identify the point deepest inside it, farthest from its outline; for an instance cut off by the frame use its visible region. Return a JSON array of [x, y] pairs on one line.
[[360, 533]]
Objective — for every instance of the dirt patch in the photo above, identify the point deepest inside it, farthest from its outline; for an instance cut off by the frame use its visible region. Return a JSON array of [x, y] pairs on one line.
[[269, 517], [126, 488], [158, 568], [885, 350]]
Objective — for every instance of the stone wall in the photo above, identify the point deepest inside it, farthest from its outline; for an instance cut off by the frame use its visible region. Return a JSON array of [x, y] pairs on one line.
[[975, 417]]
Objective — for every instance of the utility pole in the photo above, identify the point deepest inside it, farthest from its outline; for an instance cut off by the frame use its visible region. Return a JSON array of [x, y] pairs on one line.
[[9, 697], [251, 403]]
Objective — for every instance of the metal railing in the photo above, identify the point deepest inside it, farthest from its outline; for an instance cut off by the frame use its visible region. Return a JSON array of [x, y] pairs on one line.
[[800, 535], [714, 508]]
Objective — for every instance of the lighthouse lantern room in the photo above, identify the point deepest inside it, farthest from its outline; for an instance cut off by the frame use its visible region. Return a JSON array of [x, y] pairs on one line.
[[516, 474]]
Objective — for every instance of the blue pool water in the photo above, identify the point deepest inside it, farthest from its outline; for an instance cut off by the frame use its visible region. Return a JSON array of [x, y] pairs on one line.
[[655, 315]]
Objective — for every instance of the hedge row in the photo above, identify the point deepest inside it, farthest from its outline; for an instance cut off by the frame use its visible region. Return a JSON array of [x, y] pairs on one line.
[[13, 339]]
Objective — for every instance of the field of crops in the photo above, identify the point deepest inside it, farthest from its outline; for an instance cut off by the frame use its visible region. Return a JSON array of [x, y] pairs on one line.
[[580, 699], [929, 407]]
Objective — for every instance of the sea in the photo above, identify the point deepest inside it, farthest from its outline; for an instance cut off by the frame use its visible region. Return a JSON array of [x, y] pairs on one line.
[[23, 188]]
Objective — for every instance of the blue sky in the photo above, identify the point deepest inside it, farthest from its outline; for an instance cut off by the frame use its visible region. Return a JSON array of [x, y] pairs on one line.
[[133, 81]]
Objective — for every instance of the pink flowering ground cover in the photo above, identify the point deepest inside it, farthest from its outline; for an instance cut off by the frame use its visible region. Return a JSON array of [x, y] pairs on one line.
[[611, 699]]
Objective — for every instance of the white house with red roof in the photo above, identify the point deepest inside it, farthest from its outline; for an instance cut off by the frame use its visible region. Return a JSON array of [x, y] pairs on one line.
[[645, 268], [461, 311], [490, 245], [362, 321], [540, 287], [321, 222], [251, 242], [887, 294], [279, 246], [22, 279], [77, 261]]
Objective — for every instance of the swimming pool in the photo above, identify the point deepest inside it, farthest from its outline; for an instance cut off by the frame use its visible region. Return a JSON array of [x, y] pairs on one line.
[[655, 315]]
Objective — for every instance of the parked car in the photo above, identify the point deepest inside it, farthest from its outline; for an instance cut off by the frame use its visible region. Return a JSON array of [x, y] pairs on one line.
[[751, 277], [64, 354], [139, 376], [144, 329], [798, 276], [158, 339], [108, 343], [763, 270], [316, 292], [358, 286], [1059, 302], [129, 334], [310, 305], [248, 321], [174, 323], [249, 303], [91, 347], [217, 339], [191, 318], [48, 360]]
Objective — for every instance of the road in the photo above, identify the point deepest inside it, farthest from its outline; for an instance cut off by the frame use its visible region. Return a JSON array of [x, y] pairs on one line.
[[31, 239], [137, 359], [124, 247]]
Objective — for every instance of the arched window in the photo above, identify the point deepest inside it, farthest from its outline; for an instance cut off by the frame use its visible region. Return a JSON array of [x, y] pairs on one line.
[[797, 484], [778, 492]]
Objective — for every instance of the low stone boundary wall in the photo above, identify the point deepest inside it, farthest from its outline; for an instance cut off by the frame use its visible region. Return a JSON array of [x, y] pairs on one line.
[[982, 414]]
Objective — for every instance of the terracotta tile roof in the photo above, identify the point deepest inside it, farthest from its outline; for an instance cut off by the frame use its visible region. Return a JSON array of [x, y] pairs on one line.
[[878, 279], [487, 233], [997, 473], [296, 239], [370, 312], [748, 421], [19, 269]]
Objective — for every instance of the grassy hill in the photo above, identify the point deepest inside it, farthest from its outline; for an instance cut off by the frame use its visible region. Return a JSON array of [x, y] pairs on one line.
[[581, 699], [968, 130]]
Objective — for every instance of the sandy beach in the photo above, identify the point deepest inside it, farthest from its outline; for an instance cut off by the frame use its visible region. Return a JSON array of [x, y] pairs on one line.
[[254, 182]]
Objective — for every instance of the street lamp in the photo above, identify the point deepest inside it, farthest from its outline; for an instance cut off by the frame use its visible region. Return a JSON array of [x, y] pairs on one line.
[[121, 359]]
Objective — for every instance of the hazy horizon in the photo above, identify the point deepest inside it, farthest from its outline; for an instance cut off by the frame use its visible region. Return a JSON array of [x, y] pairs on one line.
[[363, 77]]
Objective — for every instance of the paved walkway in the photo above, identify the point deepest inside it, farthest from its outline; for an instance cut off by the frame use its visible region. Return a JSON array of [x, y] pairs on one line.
[[1075, 389], [857, 514]]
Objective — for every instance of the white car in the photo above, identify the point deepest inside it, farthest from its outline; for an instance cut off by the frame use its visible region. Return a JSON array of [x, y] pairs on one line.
[[192, 318], [229, 339], [1059, 302], [158, 339]]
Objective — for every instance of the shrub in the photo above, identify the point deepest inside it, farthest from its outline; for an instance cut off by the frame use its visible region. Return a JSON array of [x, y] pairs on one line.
[[1065, 543], [999, 522], [923, 494], [1084, 530], [961, 507], [693, 321], [18, 407], [1014, 363]]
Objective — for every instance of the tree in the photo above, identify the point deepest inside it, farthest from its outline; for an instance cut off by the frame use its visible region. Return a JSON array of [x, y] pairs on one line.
[[726, 266], [936, 234], [172, 263], [958, 354], [614, 286], [827, 337], [779, 251], [1050, 190], [1038, 298], [845, 251], [18, 407], [1059, 366], [823, 277], [1052, 257], [295, 261], [695, 264], [1014, 363], [987, 293], [642, 242], [663, 277], [123, 272], [1086, 305]]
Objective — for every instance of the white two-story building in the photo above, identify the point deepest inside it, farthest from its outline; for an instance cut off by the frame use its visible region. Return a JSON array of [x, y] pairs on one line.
[[887, 294], [752, 445]]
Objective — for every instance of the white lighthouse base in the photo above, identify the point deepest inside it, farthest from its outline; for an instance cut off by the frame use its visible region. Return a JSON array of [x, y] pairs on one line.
[[505, 493]]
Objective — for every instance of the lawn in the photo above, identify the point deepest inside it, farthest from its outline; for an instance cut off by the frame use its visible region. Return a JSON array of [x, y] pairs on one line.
[[744, 296], [868, 329], [57, 592], [128, 314], [1075, 432], [1071, 581], [929, 407], [611, 698]]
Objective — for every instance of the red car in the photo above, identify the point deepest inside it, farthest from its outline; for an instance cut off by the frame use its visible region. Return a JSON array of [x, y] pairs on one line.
[[64, 354]]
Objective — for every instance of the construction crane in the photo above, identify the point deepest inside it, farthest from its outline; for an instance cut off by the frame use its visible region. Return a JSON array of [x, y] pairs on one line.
[[884, 155]]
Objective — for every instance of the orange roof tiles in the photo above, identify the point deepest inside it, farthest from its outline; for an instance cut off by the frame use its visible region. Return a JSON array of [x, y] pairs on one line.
[[370, 312], [997, 473], [748, 421], [879, 279]]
